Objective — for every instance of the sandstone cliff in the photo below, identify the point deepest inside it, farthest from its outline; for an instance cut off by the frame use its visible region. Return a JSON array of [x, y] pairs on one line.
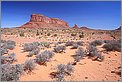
[[41, 21]]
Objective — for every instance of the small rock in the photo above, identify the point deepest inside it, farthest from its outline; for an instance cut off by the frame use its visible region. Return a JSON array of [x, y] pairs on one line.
[[86, 77]]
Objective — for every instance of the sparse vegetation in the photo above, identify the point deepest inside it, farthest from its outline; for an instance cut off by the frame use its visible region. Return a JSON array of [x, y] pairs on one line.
[[3, 51], [97, 42], [81, 36], [80, 43], [45, 44], [11, 72], [22, 34], [55, 35], [69, 43], [8, 45], [29, 65], [33, 52], [44, 57], [73, 34], [8, 59], [94, 53], [11, 58], [29, 47], [62, 71], [37, 33], [79, 54], [113, 46], [48, 34], [75, 46], [81, 46], [59, 49], [32, 48]]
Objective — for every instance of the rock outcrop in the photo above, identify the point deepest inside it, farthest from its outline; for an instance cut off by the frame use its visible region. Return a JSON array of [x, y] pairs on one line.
[[75, 26], [41, 21]]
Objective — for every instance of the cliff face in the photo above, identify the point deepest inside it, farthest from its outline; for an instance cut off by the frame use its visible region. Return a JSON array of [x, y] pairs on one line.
[[41, 21]]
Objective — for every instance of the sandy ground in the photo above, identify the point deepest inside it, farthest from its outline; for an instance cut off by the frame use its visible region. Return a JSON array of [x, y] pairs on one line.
[[85, 70]]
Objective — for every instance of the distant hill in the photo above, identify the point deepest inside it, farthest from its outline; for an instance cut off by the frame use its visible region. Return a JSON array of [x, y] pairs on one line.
[[118, 28], [86, 28]]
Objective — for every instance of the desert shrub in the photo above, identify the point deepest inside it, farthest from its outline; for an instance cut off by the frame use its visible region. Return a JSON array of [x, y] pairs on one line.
[[69, 68], [11, 42], [80, 43], [99, 57], [3, 51], [77, 59], [22, 34], [81, 36], [118, 71], [36, 43], [48, 34], [11, 58], [29, 47], [29, 65], [73, 34], [59, 49], [62, 71], [3, 41], [55, 35], [44, 57], [69, 43], [11, 72], [3, 59], [119, 41], [97, 42], [33, 52], [59, 77], [107, 41], [11, 47], [37, 33], [91, 50], [79, 54], [8, 45], [94, 53], [8, 59], [61, 68], [60, 42], [45, 44], [74, 46], [113, 46]]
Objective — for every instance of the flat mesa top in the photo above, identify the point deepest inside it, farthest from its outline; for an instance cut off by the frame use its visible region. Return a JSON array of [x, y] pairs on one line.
[[37, 14]]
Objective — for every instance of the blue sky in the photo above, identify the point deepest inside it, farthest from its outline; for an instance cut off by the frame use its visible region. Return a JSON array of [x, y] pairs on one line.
[[96, 15]]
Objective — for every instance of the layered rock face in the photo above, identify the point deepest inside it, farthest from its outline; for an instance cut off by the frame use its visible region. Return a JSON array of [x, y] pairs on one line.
[[41, 21]]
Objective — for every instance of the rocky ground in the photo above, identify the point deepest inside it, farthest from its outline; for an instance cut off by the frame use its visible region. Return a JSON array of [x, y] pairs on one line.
[[86, 69]]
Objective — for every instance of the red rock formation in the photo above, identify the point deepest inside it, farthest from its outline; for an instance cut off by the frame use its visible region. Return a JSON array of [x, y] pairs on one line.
[[41, 21], [75, 26]]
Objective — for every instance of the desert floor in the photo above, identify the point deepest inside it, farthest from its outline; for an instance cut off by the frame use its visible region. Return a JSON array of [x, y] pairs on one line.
[[85, 70]]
